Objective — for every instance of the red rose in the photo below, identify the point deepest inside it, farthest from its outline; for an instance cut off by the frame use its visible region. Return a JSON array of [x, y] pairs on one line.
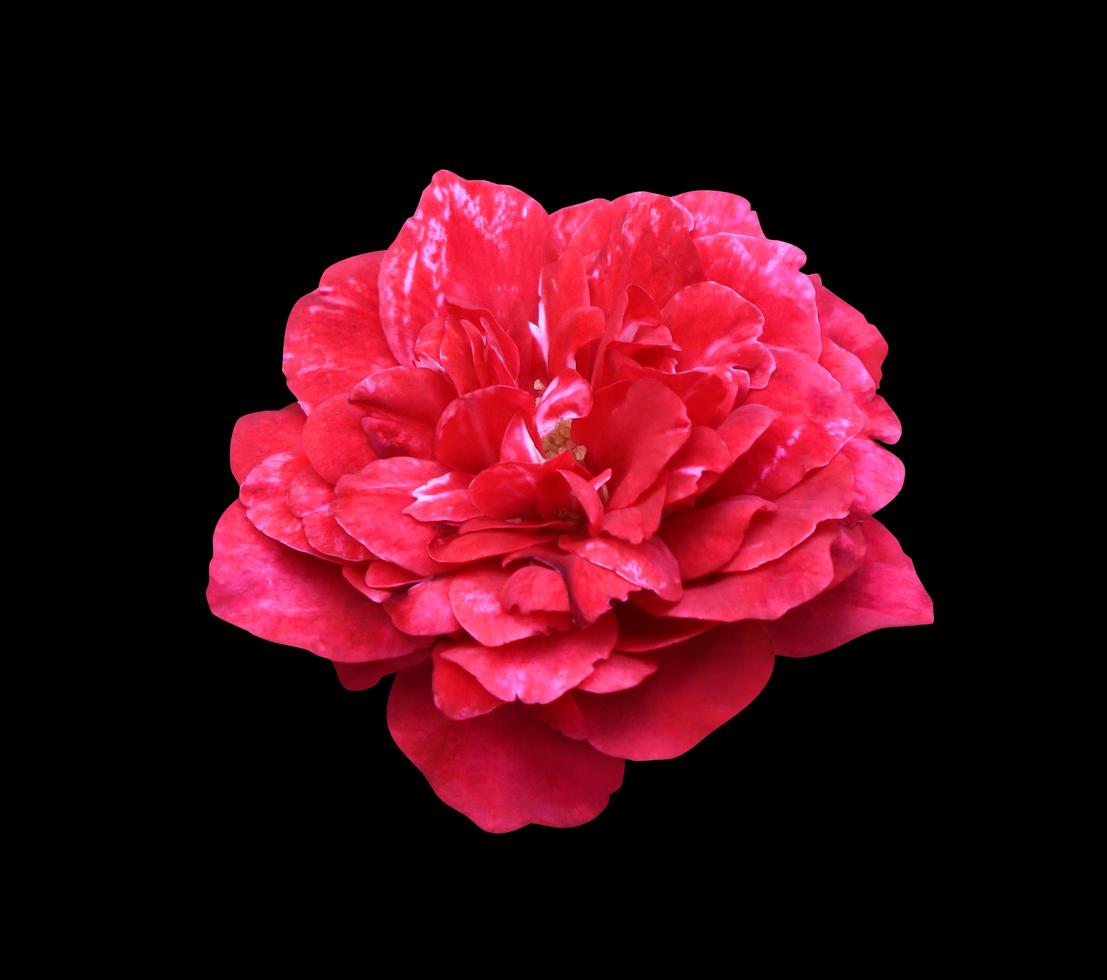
[[575, 478]]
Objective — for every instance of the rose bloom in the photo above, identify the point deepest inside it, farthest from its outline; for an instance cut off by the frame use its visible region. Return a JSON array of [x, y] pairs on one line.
[[576, 479]]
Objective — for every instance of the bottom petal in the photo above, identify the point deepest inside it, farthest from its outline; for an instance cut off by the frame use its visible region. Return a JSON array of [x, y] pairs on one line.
[[503, 770]]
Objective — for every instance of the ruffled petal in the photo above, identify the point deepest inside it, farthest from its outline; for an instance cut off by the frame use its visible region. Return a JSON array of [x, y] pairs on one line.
[[264, 494], [766, 272], [877, 474], [639, 632], [699, 685], [475, 597], [361, 677], [472, 428], [503, 770], [288, 597], [445, 498], [311, 499], [370, 506], [424, 610], [884, 591], [712, 324], [634, 429], [457, 693], [534, 588], [334, 440], [649, 565], [717, 211], [462, 548], [469, 240], [333, 338], [848, 328], [618, 673], [705, 539], [401, 408], [262, 434], [767, 592], [536, 670]]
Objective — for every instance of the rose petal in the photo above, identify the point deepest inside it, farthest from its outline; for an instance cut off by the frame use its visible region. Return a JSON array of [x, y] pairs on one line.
[[848, 328], [699, 685], [539, 669], [822, 495], [766, 592], [716, 211], [877, 475], [766, 273], [333, 338], [705, 539], [262, 434], [424, 610], [370, 506], [477, 242], [618, 673], [503, 770], [445, 498], [712, 324], [291, 598], [484, 544], [634, 428], [475, 598], [264, 494], [401, 408], [534, 588], [361, 677], [471, 429], [639, 632], [884, 591], [649, 565], [334, 440], [311, 499], [457, 693]]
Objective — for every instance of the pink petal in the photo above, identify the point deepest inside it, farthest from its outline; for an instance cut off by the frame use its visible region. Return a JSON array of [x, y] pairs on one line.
[[634, 428], [288, 597], [561, 491], [823, 494], [507, 490], [649, 565], [564, 290], [472, 427], [355, 576], [333, 338], [618, 673], [539, 669], [816, 419], [640, 632], [591, 588], [385, 575], [462, 548], [361, 677], [884, 591], [563, 715], [401, 408], [503, 770], [877, 474], [848, 328], [650, 246], [457, 693], [534, 588], [264, 494], [712, 324], [445, 498], [717, 211], [370, 506], [262, 434], [767, 592], [479, 243], [699, 685], [334, 440], [704, 452], [424, 610], [475, 597], [584, 227], [639, 521], [567, 396], [311, 499], [705, 539], [766, 272]]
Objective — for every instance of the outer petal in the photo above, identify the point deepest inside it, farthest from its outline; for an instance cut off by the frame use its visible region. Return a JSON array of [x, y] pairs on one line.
[[618, 673], [765, 593], [424, 610], [649, 565], [361, 677], [884, 591], [334, 440], [877, 474], [716, 211], [457, 693], [262, 434], [333, 338], [311, 498], [712, 324], [502, 770], [705, 539], [536, 670], [288, 597], [698, 686], [766, 272], [477, 242], [264, 494], [848, 328]]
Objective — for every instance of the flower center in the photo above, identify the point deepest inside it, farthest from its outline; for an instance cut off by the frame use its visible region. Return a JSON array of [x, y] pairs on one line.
[[559, 440]]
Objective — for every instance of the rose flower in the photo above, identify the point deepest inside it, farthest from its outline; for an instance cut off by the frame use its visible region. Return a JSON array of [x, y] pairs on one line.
[[575, 479]]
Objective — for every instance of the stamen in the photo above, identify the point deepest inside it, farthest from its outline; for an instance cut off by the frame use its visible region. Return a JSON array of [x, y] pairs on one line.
[[560, 440]]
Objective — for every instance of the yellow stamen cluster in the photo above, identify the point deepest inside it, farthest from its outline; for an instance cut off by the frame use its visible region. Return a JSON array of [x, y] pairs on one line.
[[560, 440]]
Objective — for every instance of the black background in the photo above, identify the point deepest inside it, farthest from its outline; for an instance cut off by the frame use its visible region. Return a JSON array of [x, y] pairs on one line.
[[855, 751]]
